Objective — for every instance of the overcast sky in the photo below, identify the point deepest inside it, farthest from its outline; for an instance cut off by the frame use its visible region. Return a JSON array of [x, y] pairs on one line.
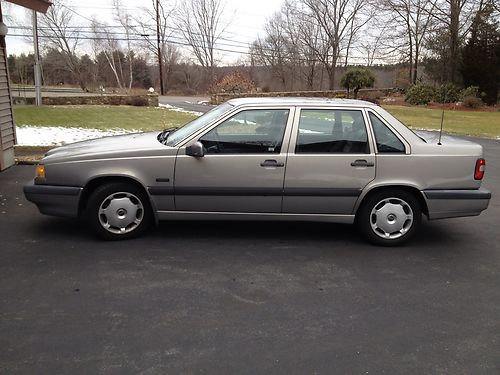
[[246, 19]]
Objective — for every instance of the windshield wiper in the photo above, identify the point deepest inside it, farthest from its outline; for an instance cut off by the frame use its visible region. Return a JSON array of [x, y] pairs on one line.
[[163, 136]]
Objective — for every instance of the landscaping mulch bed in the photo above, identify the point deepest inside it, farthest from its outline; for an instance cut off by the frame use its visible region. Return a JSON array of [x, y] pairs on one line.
[[30, 154]]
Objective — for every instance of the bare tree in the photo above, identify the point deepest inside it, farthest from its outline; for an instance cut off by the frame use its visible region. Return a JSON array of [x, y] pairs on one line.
[[454, 19], [308, 33], [410, 23], [338, 21], [273, 49], [304, 38], [59, 31], [105, 42], [146, 27], [372, 46], [201, 26], [124, 18]]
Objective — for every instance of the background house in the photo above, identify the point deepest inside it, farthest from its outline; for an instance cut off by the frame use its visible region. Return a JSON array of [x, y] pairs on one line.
[[7, 128]]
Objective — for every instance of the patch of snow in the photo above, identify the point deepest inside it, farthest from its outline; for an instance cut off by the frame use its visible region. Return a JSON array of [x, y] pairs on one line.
[[423, 129], [243, 121], [177, 109], [204, 102], [309, 131], [59, 135]]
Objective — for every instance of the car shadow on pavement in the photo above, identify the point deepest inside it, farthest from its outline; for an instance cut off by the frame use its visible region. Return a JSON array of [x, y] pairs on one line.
[[252, 230], [435, 234]]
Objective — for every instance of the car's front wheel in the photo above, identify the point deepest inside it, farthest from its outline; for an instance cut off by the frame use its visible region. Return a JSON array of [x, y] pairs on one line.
[[118, 211], [389, 217]]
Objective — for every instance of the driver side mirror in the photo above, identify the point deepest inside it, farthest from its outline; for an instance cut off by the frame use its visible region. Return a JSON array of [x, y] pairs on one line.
[[196, 149]]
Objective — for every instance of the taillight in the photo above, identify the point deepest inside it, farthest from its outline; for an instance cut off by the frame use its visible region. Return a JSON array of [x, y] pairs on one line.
[[479, 171]]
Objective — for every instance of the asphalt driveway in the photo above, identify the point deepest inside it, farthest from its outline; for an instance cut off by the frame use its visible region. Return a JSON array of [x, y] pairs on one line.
[[214, 298]]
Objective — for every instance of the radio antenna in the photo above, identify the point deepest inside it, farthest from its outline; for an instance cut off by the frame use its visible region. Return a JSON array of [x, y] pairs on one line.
[[442, 114], [441, 128]]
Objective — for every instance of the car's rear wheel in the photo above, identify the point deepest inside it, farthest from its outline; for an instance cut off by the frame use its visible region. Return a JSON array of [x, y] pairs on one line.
[[118, 211], [389, 217]]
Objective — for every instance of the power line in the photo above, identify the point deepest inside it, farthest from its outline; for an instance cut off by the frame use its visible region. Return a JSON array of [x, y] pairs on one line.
[[185, 44], [143, 37], [238, 43], [89, 19], [179, 42], [75, 12]]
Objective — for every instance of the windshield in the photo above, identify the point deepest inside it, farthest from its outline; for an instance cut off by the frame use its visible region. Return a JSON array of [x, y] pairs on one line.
[[198, 123]]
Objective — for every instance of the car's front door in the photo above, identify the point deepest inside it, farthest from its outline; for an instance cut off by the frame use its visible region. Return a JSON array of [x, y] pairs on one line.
[[330, 161], [243, 166]]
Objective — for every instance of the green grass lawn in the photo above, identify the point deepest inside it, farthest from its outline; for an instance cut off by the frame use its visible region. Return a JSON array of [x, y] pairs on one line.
[[101, 117], [482, 124]]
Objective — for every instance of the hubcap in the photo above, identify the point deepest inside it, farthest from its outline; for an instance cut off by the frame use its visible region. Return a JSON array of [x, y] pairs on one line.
[[391, 218], [121, 213]]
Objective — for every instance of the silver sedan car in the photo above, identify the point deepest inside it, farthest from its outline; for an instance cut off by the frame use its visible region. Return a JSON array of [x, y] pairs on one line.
[[340, 161]]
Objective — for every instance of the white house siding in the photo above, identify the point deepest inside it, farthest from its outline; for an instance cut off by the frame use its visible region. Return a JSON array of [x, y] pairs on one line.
[[7, 130]]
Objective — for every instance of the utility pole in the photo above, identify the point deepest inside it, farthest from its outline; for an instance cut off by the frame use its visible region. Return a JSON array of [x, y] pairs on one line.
[[36, 68], [160, 60]]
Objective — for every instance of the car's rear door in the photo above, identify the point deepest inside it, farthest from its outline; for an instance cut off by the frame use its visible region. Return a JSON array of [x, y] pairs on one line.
[[243, 167], [331, 159]]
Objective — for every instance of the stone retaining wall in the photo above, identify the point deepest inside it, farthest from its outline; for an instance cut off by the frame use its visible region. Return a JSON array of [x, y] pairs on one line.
[[222, 97], [135, 100]]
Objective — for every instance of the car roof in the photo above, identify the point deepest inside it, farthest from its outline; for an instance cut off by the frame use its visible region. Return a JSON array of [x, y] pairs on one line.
[[299, 101]]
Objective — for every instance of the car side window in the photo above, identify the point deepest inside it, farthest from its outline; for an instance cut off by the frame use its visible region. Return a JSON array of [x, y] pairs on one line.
[[386, 140], [256, 131], [331, 131]]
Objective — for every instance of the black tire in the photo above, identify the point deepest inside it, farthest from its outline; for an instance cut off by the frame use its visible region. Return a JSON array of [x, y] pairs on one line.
[[394, 202], [124, 202]]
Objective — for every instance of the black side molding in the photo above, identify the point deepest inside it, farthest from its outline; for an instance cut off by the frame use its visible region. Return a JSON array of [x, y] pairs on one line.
[[458, 194], [161, 190], [51, 189], [322, 192], [228, 191], [254, 192]]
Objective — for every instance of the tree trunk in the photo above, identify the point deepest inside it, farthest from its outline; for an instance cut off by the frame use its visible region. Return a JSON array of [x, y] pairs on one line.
[[131, 72], [410, 70], [120, 67], [331, 77], [310, 77], [454, 42], [415, 65], [112, 65], [82, 84]]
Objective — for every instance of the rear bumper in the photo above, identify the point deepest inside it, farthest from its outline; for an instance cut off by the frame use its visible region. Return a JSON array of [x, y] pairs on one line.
[[54, 200], [456, 203]]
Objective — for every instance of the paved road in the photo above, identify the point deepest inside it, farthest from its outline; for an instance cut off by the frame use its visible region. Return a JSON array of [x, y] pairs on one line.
[[251, 298], [189, 103]]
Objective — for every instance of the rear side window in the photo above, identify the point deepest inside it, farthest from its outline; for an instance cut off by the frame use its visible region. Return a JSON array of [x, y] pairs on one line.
[[386, 140], [331, 131]]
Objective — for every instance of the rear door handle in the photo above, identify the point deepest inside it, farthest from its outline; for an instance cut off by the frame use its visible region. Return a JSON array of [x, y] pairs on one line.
[[271, 163], [362, 163]]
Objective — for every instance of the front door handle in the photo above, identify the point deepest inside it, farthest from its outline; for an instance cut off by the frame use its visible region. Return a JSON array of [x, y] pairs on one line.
[[271, 163], [362, 163]]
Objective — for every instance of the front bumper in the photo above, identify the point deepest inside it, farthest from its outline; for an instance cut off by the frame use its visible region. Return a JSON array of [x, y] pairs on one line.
[[54, 200], [456, 203]]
